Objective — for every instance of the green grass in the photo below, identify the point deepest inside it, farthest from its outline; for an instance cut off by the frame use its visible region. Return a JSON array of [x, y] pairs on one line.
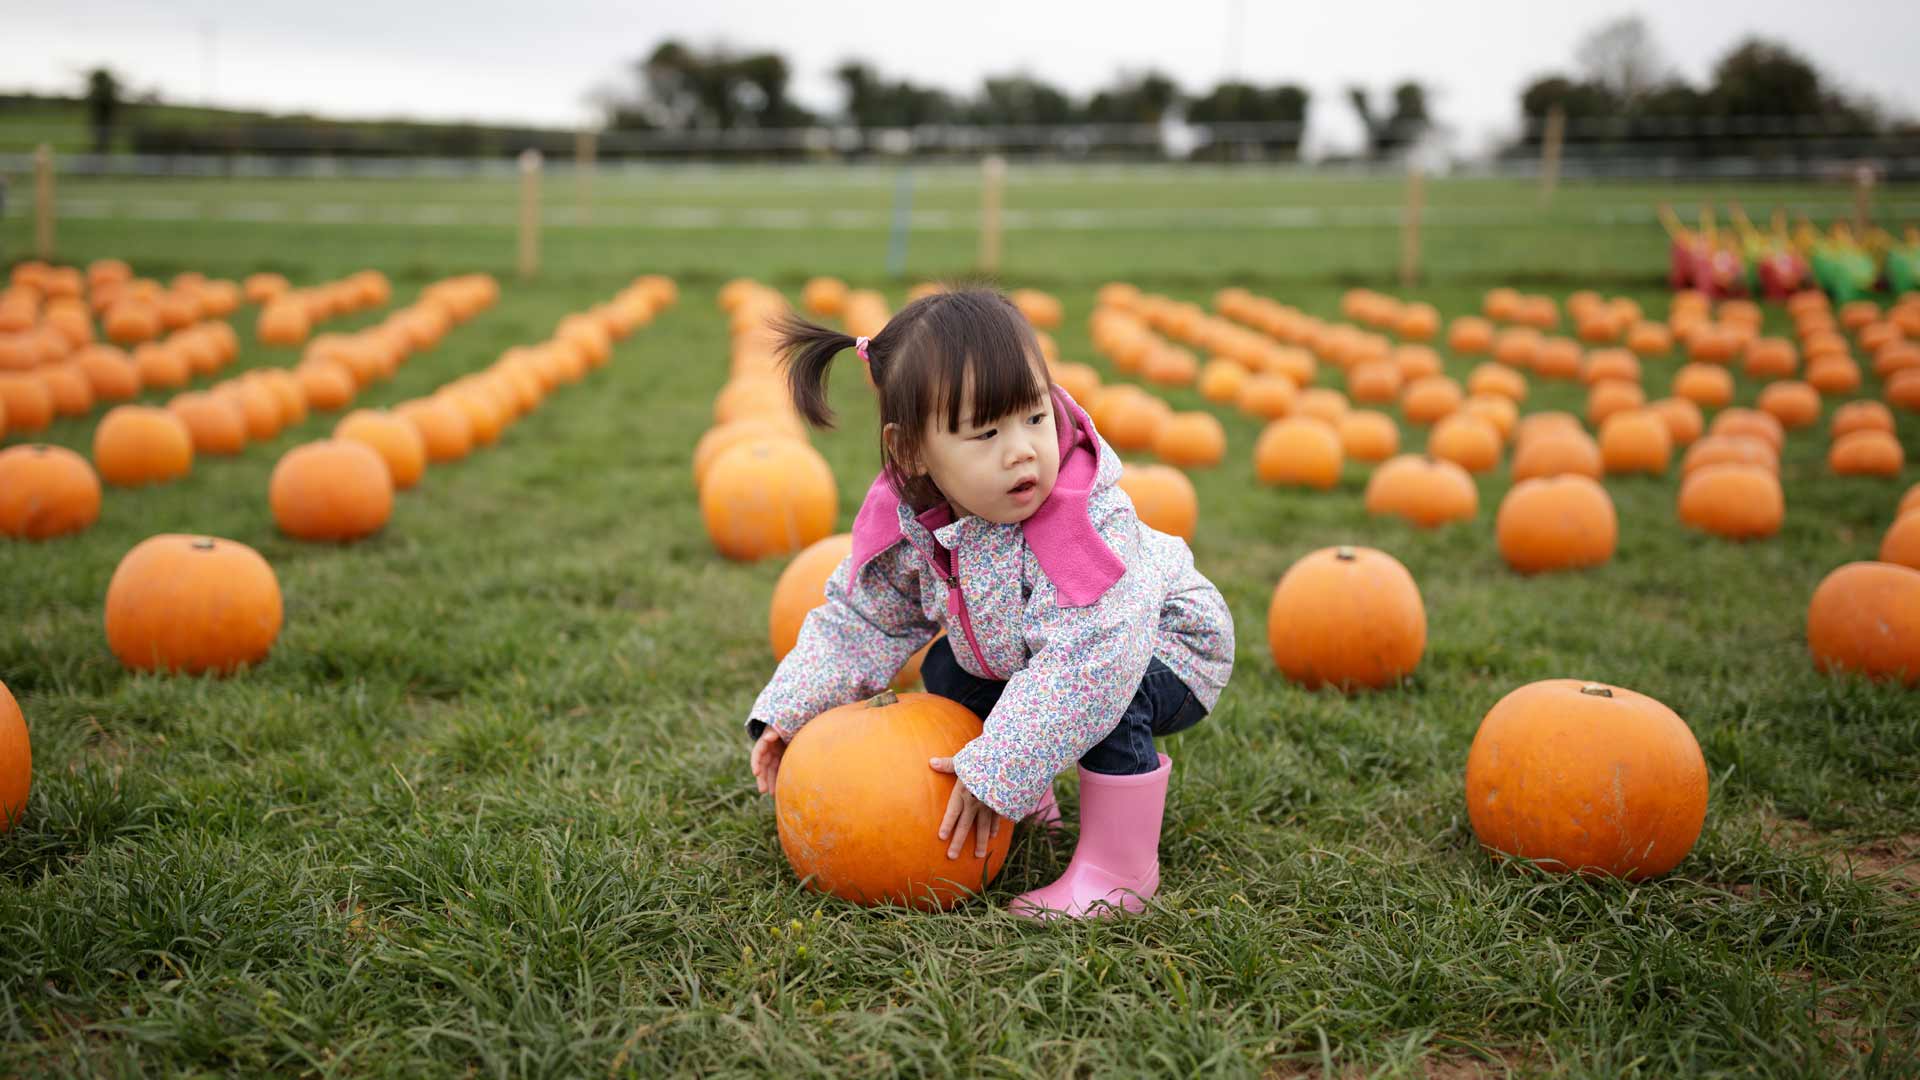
[[486, 809]]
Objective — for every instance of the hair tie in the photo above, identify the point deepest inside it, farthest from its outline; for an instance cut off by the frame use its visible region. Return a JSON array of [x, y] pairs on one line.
[[860, 346]]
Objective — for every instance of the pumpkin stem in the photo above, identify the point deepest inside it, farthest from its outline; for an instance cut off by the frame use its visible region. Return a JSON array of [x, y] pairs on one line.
[[203, 543], [883, 699], [1344, 553], [1596, 690]]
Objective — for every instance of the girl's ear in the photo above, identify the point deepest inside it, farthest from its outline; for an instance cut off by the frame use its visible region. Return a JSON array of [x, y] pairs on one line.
[[898, 451]]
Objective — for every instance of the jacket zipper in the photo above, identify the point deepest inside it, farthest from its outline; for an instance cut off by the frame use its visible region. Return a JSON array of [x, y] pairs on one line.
[[957, 607]]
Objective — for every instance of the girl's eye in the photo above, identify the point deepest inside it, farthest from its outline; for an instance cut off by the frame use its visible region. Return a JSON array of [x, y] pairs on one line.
[[1036, 418], [987, 434]]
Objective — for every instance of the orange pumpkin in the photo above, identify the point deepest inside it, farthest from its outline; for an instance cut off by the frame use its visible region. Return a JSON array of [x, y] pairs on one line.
[[326, 385], [1368, 436], [136, 444], [1540, 423], [399, 443], [1430, 399], [1467, 441], [1374, 382], [1771, 358], [1860, 416], [1132, 418], [1269, 397], [335, 489], [257, 405], [46, 491], [1649, 340], [1866, 453], [1738, 502], [214, 423], [1491, 378], [858, 809], [1588, 778], [112, 375], [1636, 441], [1730, 450], [1298, 450], [1163, 498], [825, 296], [16, 761], [1558, 452], [1517, 347], [1346, 617], [1610, 396], [26, 402], [1426, 491], [719, 440], [1080, 381], [1220, 381], [801, 588], [1496, 410], [767, 497], [1558, 358], [283, 322], [1414, 362], [1322, 403], [1682, 417], [1610, 364], [1703, 384], [1418, 322], [68, 389], [443, 427], [1865, 618], [1502, 303], [1901, 545], [1191, 440], [1556, 523], [1833, 375], [1793, 403], [1760, 425], [192, 604]]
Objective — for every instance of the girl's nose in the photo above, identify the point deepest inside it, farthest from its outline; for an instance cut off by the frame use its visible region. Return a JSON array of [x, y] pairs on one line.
[[1021, 450]]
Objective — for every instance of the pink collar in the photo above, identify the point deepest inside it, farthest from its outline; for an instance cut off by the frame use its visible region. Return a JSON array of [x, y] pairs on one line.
[[1061, 534]]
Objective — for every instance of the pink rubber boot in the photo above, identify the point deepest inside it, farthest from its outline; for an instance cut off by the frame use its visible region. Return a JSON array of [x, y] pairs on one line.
[[1047, 814], [1116, 865]]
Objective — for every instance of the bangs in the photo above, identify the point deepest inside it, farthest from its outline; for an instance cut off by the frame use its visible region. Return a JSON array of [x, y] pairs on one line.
[[995, 369]]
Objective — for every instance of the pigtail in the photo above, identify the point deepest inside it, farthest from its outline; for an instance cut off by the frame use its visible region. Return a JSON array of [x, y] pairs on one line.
[[806, 350]]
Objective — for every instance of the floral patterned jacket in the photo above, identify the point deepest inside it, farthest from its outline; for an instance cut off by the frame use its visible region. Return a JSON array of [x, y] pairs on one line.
[[1067, 607]]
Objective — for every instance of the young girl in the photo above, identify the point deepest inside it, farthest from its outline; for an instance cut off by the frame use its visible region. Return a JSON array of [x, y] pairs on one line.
[[1075, 631]]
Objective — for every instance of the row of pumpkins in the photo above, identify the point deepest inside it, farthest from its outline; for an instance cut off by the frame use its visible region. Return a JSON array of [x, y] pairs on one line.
[[204, 605], [341, 488], [52, 365], [1318, 430]]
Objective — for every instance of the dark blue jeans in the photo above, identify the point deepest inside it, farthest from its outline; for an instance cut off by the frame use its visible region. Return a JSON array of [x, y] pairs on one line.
[[1162, 706]]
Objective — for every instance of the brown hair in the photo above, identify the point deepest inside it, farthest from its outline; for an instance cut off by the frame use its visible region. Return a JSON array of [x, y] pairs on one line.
[[968, 343]]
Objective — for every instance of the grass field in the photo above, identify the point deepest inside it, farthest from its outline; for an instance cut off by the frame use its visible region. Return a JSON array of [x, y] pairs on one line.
[[486, 809]]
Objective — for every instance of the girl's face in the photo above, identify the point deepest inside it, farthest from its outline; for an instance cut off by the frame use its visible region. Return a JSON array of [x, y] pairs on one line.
[[1001, 470]]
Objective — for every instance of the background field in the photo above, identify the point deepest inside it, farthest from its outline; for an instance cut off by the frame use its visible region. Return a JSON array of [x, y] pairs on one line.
[[486, 809]]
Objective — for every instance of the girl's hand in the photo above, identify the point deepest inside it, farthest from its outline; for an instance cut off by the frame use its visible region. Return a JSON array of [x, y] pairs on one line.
[[765, 758], [965, 812]]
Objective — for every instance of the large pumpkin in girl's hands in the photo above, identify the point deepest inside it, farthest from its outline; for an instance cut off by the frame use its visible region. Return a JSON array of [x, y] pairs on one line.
[[859, 808], [16, 761], [192, 604], [1347, 617], [1580, 776]]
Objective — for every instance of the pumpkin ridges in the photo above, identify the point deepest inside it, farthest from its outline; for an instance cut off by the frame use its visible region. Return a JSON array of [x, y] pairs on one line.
[[1586, 777], [857, 807], [192, 604], [1864, 617]]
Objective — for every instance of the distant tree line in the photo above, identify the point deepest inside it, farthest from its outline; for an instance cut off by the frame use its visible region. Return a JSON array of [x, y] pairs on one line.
[[1761, 98]]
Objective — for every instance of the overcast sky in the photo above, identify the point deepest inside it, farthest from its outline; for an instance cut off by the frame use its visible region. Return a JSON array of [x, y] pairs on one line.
[[538, 62]]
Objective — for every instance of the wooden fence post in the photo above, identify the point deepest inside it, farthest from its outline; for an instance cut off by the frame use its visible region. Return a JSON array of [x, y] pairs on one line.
[[1551, 141], [1410, 227], [993, 177], [529, 213], [43, 202]]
